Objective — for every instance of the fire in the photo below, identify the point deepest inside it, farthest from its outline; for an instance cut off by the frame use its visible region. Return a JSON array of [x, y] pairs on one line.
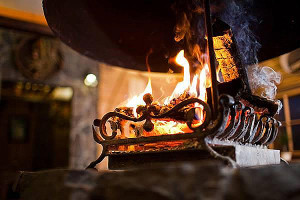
[[203, 82], [199, 80], [137, 100], [181, 87], [184, 89], [202, 92], [182, 61], [161, 127]]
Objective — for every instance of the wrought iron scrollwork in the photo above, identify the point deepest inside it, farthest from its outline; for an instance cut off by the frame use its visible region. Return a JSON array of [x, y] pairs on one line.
[[245, 126], [147, 114], [234, 122]]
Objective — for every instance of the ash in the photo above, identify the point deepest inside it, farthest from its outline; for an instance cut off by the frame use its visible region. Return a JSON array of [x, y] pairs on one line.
[[216, 141]]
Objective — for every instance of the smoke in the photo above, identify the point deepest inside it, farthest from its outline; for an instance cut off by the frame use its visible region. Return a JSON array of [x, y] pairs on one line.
[[263, 81], [237, 14]]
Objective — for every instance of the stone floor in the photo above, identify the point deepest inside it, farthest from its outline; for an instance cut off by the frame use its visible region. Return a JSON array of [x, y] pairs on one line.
[[209, 180]]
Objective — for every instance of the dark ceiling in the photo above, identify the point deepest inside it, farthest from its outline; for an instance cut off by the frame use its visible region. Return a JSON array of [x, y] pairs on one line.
[[122, 33]]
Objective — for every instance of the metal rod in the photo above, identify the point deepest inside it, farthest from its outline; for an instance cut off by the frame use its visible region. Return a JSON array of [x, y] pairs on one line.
[[211, 63]]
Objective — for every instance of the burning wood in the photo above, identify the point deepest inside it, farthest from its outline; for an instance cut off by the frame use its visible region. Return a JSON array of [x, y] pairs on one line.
[[224, 55], [172, 123]]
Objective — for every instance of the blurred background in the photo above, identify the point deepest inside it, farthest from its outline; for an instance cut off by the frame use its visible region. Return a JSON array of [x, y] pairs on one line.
[[50, 94]]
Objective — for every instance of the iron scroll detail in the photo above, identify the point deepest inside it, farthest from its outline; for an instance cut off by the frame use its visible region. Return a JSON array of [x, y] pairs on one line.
[[234, 122], [148, 114]]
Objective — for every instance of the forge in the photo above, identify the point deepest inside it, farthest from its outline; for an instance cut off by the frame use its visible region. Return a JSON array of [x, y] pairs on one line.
[[212, 113]]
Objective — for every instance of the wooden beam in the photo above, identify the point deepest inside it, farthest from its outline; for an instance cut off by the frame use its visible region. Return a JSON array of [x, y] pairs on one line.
[[288, 122], [25, 26], [22, 16], [24, 21]]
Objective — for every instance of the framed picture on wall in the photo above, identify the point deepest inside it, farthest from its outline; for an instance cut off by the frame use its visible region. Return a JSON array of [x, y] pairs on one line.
[[18, 130]]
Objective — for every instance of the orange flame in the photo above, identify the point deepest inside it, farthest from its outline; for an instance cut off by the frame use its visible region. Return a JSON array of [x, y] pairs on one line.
[[137, 100], [185, 84], [195, 89], [182, 61], [202, 92], [199, 80]]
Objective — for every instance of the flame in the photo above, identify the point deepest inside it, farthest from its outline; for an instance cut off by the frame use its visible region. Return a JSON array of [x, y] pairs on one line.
[[193, 88], [199, 80], [202, 93], [161, 127], [203, 82], [182, 61], [184, 89], [137, 100], [185, 84]]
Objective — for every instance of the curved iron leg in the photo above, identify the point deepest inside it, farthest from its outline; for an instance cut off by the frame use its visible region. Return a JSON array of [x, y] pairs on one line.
[[219, 156], [93, 164], [282, 161]]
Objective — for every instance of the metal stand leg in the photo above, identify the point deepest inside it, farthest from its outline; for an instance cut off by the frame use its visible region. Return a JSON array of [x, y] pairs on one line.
[[215, 154], [283, 161], [93, 164]]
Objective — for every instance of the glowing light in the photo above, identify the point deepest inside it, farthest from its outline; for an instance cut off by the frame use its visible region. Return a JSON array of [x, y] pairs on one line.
[[193, 88], [161, 127], [202, 93], [62, 93], [184, 89], [137, 100], [202, 83], [169, 127], [182, 61], [91, 80], [185, 84]]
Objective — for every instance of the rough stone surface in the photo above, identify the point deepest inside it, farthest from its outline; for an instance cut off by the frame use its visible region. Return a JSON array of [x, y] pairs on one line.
[[186, 181], [7, 180], [46, 185]]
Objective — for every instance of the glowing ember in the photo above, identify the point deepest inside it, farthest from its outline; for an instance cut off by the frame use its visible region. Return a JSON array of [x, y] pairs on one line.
[[161, 127], [169, 127]]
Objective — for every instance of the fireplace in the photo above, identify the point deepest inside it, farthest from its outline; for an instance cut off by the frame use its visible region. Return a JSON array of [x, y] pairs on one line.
[[214, 114]]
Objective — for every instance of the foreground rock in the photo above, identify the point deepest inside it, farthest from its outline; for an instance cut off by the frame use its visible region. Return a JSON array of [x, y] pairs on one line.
[[175, 182]]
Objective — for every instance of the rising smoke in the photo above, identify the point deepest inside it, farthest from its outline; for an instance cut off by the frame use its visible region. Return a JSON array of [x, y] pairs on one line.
[[238, 15], [263, 81]]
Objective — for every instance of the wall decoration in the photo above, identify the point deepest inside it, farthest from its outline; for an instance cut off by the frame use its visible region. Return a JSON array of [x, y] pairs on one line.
[[18, 130], [37, 58]]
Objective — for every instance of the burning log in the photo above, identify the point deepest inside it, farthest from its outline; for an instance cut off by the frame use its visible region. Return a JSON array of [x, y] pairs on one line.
[[224, 55], [175, 120]]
